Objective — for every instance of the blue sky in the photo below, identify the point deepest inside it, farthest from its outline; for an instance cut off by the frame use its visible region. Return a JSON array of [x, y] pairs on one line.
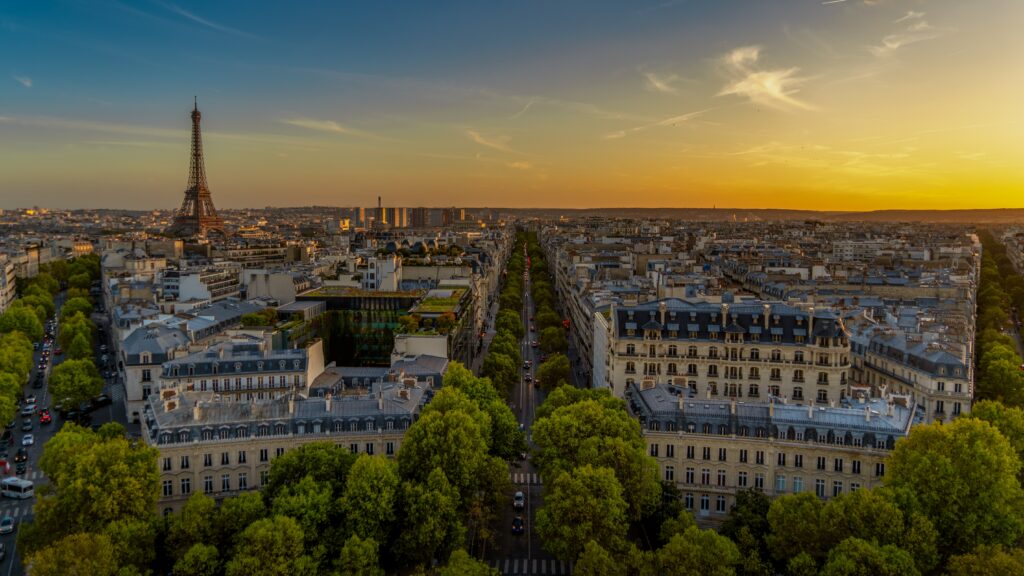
[[684, 103]]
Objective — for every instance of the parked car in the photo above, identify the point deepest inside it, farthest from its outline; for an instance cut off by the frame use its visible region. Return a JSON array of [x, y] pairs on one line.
[[28, 440], [21, 455], [101, 400], [6, 525], [58, 351], [28, 410], [519, 501], [7, 439], [31, 399], [45, 418], [518, 526], [533, 344], [20, 468], [26, 425]]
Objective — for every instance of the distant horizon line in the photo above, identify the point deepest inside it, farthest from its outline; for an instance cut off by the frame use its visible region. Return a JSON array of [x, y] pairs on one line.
[[538, 208]]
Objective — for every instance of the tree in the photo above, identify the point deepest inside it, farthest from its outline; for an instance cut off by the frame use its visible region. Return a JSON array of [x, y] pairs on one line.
[[451, 435], [505, 440], [963, 476], [596, 561], [235, 514], [80, 348], [193, 525], [79, 281], [75, 306], [322, 461], [16, 356], [552, 341], [23, 320], [583, 505], [94, 482], [134, 542], [430, 520], [856, 557], [313, 506], [795, 522], [271, 547], [460, 563], [554, 370], [698, 553], [679, 524], [359, 557], [547, 318], [1008, 420], [200, 560], [75, 381], [371, 497], [987, 561], [501, 370], [864, 514], [408, 324], [511, 321], [750, 512], [77, 554], [47, 282]]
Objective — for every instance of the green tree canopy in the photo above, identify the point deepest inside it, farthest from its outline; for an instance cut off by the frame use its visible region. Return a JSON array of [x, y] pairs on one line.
[[271, 547], [963, 475], [431, 528], [21, 319], [371, 498], [552, 340], [460, 563], [698, 553], [75, 554], [359, 557], [579, 506], [596, 561], [987, 561], [75, 306], [554, 370], [75, 381], [857, 557], [324, 462], [199, 560]]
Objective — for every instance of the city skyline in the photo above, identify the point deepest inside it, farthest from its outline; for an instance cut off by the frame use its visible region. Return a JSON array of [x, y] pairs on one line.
[[840, 105]]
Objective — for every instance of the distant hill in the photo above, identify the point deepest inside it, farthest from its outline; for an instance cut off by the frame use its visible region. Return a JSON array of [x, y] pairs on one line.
[[988, 216]]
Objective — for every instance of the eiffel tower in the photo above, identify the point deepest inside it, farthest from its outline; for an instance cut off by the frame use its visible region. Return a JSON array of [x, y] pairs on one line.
[[197, 216]]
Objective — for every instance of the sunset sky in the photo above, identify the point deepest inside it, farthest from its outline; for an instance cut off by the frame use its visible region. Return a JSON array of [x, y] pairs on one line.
[[832, 105]]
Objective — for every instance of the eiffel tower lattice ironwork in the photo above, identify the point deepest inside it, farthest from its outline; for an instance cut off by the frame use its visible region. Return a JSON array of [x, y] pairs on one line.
[[197, 216]]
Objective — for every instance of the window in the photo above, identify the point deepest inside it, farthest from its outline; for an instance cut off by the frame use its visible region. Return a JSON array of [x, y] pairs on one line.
[[225, 459], [241, 457], [956, 408], [819, 488], [705, 503], [838, 465], [759, 481], [670, 473], [821, 463], [705, 476], [688, 501], [780, 483], [186, 486], [722, 455], [880, 469], [781, 458], [721, 477], [798, 356], [147, 376], [670, 450], [264, 455], [798, 460], [775, 374], [755, 354], [630, 349], [279, 452], [760, 456], [207, 460], [353, 448], [854, 486], [855, 465], [837, 488], [798, 484], [689, 452], [741, 479], [654, 450], [798, 375], [755, 374], [798, 393], [243, 481], [822, 396], [168, 488], [208, 484], [691, 369], [720, 504], [630, 368], [167, 464], [743, 456], [706, 453], [389, 448], [369, 448], [264, 477], [957, 387], [184, 462], [225, 483], [689, 475]]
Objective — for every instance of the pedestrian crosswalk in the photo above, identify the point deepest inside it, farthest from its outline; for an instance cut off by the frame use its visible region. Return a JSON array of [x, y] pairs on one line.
[[16, 510], [525, 478], [34, 475], [531, 566]]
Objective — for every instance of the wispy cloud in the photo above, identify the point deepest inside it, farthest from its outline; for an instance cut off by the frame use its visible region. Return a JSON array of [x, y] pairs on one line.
[[832, 2], [917, 30], [774, 88], [499, 143], [529, 104], [203, 21], [23, 80], [667, 122], [326, 126], [519, 165], [663, 84]]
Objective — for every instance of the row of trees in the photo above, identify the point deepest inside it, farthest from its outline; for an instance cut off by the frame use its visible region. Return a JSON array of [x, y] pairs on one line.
[[551, 339], [1000, 292], [322, 511], [501, 364]]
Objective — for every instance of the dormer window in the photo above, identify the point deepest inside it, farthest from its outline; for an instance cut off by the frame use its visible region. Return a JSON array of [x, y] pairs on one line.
[[282, 364], [238, 366], [145, 358]]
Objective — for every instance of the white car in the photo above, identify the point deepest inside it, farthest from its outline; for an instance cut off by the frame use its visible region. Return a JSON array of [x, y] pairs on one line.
[[27, 440], [28, 410]]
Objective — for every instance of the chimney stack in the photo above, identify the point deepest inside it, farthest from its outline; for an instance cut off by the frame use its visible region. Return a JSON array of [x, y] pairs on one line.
[[810, 410], [330, 397], [197, 412], [767, 313], [810, 325], [732, 407], [291, 403], [867, 413]]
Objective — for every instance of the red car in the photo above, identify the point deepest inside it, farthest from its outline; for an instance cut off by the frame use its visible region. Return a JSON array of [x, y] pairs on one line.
[[58, 351], [45, 417]]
